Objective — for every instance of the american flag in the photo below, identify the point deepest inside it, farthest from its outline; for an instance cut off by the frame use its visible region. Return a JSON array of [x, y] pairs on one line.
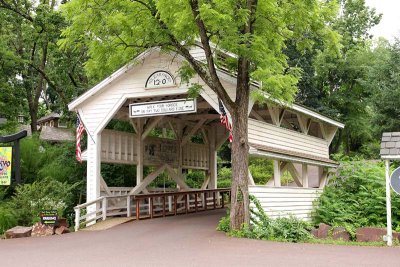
[[80, 129], [225, 120]]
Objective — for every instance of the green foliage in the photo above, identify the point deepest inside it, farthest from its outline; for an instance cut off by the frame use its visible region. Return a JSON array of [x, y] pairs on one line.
[[224, 177], [355, 197], [261, 170], [43, 194], [7, 218], [290, 229]]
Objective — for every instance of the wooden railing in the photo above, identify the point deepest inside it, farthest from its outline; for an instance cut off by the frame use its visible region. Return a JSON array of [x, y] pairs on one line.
[[146, 206]]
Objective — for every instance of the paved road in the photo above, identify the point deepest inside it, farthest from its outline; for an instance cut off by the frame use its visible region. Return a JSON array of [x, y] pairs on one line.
[[188, 240]]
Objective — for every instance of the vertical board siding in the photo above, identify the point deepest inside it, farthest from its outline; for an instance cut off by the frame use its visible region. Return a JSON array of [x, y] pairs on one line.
[[119, 147], [283, 201], [270, 135]]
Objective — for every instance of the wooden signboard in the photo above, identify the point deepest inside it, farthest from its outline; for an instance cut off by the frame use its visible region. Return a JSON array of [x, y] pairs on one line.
[[48, 217], [165, 107]]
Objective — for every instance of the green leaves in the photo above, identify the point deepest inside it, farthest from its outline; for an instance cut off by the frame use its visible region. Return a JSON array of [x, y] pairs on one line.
[[356, 197]]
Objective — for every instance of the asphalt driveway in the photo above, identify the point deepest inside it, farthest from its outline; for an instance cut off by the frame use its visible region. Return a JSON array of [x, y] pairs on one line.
[[187, 240]]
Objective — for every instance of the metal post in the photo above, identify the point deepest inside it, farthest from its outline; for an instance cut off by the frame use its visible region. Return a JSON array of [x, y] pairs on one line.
[[388, 205]]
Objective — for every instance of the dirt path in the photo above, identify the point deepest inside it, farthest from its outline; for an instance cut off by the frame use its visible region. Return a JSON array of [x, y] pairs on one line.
[[188, 240]]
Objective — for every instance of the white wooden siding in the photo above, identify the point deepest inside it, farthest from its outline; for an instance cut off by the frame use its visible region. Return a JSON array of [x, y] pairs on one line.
[[270, 135], [282, 201], [120, 147]]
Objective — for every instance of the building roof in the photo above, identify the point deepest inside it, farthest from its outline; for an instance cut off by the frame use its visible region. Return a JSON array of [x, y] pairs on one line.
[[53, 134], [51, 116], [224, 75], [283, 154], [390, 145]]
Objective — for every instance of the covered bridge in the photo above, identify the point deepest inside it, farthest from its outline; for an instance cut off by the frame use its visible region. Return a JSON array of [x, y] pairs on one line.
[[149, 95]]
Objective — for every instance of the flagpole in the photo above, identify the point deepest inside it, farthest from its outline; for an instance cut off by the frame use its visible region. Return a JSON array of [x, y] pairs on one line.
[[80, 119]]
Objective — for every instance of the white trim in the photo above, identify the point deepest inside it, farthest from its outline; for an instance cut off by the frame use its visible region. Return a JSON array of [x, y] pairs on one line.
[[110, 79], [222, 74], [390, 157], [256, 152]]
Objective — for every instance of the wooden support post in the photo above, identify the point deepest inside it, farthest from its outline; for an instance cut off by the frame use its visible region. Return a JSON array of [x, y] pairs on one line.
[[277, 173], [139, 152], [205, 200], [304, 175], [323, 177], [137, 209], [93, 174], [222, 199], [212, 159]]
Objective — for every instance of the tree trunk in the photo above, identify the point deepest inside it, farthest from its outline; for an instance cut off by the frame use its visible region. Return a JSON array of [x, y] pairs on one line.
[[240, 202]]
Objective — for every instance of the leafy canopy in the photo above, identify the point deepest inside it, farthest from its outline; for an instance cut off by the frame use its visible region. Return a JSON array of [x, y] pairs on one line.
[[116, 31]]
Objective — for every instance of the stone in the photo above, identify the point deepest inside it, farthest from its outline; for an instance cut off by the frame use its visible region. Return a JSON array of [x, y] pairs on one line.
[[61, 222], [370, 234], [314, 232], [40, 229], [340, 233], [18, 232], [323, 230], [62, 230]]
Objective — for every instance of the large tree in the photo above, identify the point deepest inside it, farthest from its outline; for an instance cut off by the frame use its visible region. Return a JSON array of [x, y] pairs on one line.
[[255, 31], [331, 83], [40, 69]]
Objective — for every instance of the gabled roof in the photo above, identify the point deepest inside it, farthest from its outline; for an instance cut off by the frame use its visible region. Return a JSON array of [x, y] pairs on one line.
[[221, 73], [390, 145], [51, 116]]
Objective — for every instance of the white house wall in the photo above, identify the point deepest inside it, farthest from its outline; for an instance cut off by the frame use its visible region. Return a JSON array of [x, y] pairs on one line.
[[285, 201]]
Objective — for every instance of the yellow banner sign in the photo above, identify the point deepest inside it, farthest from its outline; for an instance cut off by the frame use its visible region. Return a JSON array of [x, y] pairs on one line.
[[5, 165]]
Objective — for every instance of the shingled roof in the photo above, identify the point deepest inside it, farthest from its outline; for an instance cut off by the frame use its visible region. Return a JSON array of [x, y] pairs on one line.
[[53, 134], [390, 145]]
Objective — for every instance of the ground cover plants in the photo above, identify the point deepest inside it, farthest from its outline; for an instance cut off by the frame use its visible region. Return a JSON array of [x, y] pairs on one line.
[[290, 229], [355, 197]]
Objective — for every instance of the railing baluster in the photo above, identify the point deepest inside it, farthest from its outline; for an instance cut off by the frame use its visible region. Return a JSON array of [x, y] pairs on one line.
[[175, 204], [137, 209], [214, 200], [77, 218], [163, 206], [128, 206], [186, 204], [151, 207], [104, 208], [195, 202]]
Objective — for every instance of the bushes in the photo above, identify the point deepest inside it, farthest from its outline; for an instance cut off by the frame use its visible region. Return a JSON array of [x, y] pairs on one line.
[[288, 229], [7, 219], [355, 197], [46, 194]]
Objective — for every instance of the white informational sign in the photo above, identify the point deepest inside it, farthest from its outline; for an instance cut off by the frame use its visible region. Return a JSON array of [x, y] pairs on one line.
[[165, 107], [159, 79]]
